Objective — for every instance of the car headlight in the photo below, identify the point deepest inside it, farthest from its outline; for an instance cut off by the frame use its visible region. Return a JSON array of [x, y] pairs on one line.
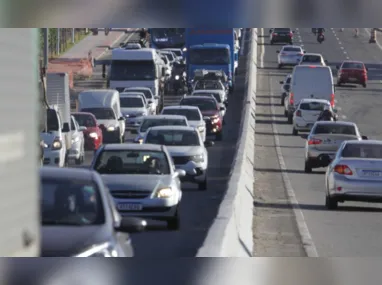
[[164, 193], [176, 77], [201, 128], [57, 145], [102, 250], [93, 135], [198, 158], [111, 129], [75, 140]]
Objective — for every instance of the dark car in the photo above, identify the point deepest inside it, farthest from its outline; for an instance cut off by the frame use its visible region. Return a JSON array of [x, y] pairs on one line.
[[93, 133], [352, 72], [281, 35], [79, 217], [211, 111]]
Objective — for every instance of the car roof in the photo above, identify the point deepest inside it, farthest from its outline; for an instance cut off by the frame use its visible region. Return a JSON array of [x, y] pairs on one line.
[[132, 93], [199, 97], [181, 107], [124, 95], [66, 172], [178, 128], [136, 88], [82, 113], [311, 53], [372, 142], [207, 91], [352, 61], [155, 117], [292, 46], [133, 146], [345, 123], [315, 100]]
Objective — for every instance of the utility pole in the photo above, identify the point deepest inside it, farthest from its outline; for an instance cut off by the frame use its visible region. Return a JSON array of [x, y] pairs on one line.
[[73, 33], [58, 41], [46, 47]]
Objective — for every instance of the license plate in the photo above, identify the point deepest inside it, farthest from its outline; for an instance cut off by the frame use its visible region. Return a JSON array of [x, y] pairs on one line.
[[129, 207], [371, 173], [352, 79]]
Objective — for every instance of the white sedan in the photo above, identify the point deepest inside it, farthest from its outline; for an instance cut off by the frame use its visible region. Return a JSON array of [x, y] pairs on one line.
[[313, 59]]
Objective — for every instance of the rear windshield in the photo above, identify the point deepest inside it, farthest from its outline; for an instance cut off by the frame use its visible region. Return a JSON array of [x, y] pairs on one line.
[[313, 106], [291, 49], [353, 65], [282, 30], [362, 151], [335, 129], [149, 123], [311, 58]]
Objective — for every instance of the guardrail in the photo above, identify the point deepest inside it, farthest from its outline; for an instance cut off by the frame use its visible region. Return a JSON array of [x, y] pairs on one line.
[[231, 233]]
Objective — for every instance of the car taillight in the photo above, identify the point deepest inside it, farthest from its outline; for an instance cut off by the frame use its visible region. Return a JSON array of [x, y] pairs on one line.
[[332, 100], [291, 99], [343, 169], [314, 141], [298, 113]]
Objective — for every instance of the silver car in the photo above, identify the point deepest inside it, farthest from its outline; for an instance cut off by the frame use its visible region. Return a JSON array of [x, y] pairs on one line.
[[142, 180], [159, 120], [152, 101], [219, 96], [355, 174], [193, 115], [324, 140], [186, 149], [133, 109], [289, 55]]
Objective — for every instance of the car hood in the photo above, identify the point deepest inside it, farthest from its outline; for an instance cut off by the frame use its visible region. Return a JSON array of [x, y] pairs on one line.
[[210, 113], [66, 241], [184, 150], [133, 111], [137, 182], [107, 123]]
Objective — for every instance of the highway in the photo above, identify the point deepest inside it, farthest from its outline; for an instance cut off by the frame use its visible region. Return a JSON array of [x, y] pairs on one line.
[[198, 208], [354, 230]]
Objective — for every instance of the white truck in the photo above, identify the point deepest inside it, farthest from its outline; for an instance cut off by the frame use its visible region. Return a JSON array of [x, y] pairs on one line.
[[57, 136], [19, 140]]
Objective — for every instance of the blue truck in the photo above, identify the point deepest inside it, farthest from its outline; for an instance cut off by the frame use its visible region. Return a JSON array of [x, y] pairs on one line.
[[211, 50], [161, 38]]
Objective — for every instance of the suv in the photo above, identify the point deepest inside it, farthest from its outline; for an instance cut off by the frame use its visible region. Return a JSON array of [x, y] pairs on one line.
[[282, 35]]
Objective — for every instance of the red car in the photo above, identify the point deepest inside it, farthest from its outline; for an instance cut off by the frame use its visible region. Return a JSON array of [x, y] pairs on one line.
[[93, 133], [211, 111], [352, 72]]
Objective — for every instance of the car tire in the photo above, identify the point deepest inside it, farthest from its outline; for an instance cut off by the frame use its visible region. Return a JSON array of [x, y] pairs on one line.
[[282, 100], [295, 132], [203, 185], [330, 203], [286, 113], [339, 83], [308, 167], [279, 66], [219, 136], [173, 224], [364, 85], [290, 119]]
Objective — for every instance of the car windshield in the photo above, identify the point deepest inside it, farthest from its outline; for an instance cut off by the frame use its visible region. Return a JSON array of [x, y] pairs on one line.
[[132, 162], [173, 137], [203, 105], [311, 58], [85, 120], [362, 151], [190, 114], [209, 56], [149, 123], [70, 202], [122, 70], [292, 49], [101, 113], [211, 85], [215, 95], [146, 92], [353, 65], [335, 129], [131, 102], [313, 106]]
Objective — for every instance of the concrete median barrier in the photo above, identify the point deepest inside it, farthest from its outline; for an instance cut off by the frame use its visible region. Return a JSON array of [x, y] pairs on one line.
[[231, 233]]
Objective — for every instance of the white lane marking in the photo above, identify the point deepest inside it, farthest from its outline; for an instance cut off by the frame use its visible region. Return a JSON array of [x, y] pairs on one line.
[[342, 48], [343, 117], [345, 52], [347, 57], [378, 44], [262, 48], [306, 238], [339, 41]]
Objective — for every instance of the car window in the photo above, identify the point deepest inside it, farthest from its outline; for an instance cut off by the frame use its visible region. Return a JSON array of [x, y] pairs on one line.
[[362, 151], [353, 65], [145, 92], [85, 120], [101, 113], [173, 137], [335, 129], [311, 58], [131, 102], [132, 162], [70, 202], [190, 114], [292, 49], [212, 85], [203, 105], [313, 106], [149, 123]]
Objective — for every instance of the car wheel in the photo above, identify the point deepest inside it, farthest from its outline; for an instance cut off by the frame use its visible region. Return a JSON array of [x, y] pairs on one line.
[[364, 85], [330, 203], [203, 185], [173, 223], [290, 119], [279, 66], [285, 113], [339, 83], [282, 100], [308, 167], [295, 132], [219, 136]]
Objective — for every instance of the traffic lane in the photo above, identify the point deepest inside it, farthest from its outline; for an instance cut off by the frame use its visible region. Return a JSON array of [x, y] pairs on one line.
[[335, 233]]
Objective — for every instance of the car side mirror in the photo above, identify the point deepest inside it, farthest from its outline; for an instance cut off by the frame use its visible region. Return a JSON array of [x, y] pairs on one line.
[[209, 143], [304, 51], [222, 108], [180, 172], [121, 119], [65, 128], [131, 225], [82, 128], [365, 138]]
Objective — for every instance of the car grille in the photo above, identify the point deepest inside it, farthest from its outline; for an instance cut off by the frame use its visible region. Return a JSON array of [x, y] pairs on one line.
[[121, 194], [181, 159]]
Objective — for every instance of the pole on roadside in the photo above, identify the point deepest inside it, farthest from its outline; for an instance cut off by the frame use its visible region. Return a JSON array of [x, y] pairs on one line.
[[46, 47], [73, 34], [58, 41]]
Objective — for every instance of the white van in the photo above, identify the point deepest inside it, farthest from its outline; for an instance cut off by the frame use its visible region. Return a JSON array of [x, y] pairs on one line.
[[310, 82], [105, 106]]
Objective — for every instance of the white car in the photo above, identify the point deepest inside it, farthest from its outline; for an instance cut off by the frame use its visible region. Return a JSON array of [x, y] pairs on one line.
[[289, 55], [77, 151], [313, 59], [187, 150], [159, 120], [152, 101], [307, 114], [193, 115]]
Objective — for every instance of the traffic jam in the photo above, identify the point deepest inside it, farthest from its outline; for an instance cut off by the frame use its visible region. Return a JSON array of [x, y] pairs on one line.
[[149, 131]]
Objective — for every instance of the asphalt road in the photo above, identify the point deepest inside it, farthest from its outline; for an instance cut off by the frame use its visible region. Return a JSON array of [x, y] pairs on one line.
[[354, 230], [198, 208]]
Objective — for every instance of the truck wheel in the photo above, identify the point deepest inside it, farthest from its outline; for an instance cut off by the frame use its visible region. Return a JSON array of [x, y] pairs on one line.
[[290, 119]]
